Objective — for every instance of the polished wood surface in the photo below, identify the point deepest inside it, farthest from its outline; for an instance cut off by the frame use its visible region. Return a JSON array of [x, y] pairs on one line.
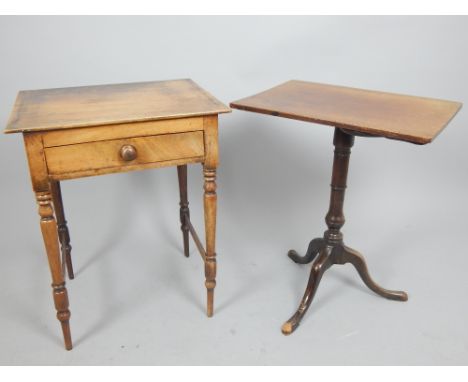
[[210, 205], [43, 191], [91, 156], [62, 108], [117, 145], [330, 249], [122, 130], [353, 113], [408, 118]]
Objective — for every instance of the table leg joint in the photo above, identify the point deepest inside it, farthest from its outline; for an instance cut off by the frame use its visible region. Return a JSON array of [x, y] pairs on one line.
[[195, 238], [330, 250]]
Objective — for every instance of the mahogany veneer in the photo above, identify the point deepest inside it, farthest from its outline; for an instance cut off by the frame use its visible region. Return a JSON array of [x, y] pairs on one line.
[[353, 112]]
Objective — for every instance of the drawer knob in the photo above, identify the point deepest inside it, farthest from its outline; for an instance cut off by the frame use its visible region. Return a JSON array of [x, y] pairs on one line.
[[128, 153]]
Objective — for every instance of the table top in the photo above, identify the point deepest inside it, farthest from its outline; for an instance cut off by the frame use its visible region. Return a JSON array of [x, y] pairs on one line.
[[63, 108], [408, 118]]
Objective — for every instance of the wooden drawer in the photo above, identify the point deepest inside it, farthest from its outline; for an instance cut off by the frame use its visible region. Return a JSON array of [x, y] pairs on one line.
[[90, 158], [121, 130]]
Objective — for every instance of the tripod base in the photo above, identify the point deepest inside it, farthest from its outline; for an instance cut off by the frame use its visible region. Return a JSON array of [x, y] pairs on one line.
[[327, 255]]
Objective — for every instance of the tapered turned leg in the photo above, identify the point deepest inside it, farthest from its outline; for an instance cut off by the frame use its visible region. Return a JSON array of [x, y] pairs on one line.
[[312, 252], [50, 236], [63, 234], [184, 209], [210, 231], [355, 258], [318, 269]]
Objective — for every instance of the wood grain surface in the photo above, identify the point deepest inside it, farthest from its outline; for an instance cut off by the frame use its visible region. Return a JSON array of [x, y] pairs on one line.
[[122, 130], [408, 118], [107, 154], [62, 108]]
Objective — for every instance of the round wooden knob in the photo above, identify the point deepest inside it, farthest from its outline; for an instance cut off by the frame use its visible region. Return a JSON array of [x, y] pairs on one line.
[[128, 153]]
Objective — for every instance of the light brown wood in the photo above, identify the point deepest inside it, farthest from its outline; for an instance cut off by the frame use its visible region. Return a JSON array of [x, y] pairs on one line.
[[123, 130], [210, 200], [63, 108], [50, 236], [103, 155], [36, 160], [48, 224], [77, 132], [408, 118], [119, 169]]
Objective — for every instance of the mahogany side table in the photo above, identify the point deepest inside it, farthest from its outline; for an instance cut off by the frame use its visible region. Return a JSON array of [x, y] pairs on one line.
[[353, 112], [93, 130]]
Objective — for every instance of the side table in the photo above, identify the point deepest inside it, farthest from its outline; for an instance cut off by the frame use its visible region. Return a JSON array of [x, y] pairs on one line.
[[71, 133], [353, 112]]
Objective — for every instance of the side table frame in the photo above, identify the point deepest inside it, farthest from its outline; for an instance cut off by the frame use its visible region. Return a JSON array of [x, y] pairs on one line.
[[55, 230]]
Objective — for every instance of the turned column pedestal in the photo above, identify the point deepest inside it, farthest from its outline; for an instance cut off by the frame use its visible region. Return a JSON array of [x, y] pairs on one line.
[[352, 112], [330, 249]]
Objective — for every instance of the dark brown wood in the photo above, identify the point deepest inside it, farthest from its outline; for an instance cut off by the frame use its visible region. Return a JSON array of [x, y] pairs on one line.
[[184, 208], [352, 112], [312, 251], [64, 108], [62, 228], [330, 248], [42, 189], [323, 262], [413, 119]]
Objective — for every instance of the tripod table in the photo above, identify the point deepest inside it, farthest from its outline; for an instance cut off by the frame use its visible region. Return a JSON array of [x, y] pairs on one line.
[[352, 112], [75, 132]]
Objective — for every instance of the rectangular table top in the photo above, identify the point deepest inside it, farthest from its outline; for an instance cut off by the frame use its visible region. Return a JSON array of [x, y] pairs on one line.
[[408, 118], [62, 108]]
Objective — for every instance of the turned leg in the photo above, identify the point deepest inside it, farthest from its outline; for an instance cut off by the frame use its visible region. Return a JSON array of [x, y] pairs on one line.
[[318, 269], [63, 233], [312, 252], [357, 260], [184, 209], [210, 231], [50, 236], [210, 164]]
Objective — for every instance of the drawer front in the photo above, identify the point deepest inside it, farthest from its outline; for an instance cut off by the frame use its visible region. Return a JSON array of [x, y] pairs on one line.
[[122, 130], [120, 153]]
